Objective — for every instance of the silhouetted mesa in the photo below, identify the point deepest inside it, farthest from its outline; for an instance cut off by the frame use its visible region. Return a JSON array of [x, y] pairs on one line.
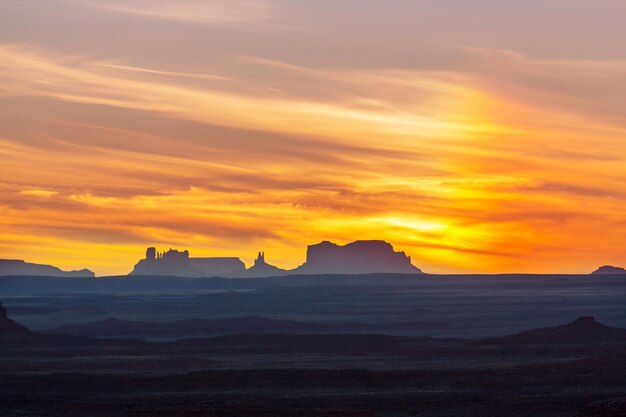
[[19, 267], [177, 263], [609, 270], [211, 267], [113, 327], [360, 257]]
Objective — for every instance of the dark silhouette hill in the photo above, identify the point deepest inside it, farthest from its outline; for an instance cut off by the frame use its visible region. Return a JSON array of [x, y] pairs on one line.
[[217, 267], [609, 270], [15, 267], [9, 327], [113, 327], [585, 330], [360, 257]]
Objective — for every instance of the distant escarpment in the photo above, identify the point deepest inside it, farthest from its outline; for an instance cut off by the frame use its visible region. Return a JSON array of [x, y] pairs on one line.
[[177, 263], [19, 267], [360, 257], [609, 270]]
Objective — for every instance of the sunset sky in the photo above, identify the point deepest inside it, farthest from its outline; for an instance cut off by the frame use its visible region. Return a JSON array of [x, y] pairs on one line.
[[477, 136]]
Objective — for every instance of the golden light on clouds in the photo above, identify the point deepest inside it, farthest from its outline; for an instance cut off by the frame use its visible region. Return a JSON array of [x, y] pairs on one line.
[[230, 130]]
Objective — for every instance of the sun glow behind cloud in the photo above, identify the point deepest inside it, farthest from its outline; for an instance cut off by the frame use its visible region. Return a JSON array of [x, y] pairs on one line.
[[487, 160]]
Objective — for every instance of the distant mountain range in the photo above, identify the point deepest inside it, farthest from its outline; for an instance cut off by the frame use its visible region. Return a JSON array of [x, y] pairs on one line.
[[19, 267], [360, 257], [585, 331]]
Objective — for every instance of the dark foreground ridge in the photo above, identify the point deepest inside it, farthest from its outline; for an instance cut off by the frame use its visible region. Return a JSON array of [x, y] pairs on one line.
[[293, 375]]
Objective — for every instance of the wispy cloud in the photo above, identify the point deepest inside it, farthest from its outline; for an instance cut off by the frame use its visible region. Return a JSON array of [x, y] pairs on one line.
[[194, 11], [27, 71], [474, 169], [192, 75], [39, 193]]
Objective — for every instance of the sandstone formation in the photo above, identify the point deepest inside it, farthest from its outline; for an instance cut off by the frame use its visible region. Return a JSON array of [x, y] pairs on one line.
[[179, 263], [360, 257]]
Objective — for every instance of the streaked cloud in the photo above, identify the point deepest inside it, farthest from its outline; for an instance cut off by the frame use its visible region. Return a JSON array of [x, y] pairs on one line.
[[205, 125], [193, 11], [39, 193]]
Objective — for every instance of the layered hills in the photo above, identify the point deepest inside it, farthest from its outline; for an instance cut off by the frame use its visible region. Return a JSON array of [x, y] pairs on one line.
[[20, 267], [179, 263], [113, 327]]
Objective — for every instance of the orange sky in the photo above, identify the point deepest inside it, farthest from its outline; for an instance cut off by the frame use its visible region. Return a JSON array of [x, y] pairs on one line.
[[482, 138]]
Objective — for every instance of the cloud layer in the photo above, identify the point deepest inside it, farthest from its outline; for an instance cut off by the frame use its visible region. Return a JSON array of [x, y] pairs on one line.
[[272, 125]]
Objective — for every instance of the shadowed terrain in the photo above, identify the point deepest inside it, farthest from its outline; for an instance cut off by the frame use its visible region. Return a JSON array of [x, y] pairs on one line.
[[367, 345]]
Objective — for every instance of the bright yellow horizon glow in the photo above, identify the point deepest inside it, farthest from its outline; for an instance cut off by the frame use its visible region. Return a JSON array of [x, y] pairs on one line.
[[504, 162]]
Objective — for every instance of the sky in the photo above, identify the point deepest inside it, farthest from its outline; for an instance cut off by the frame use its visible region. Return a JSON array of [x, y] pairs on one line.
[[476, 136]]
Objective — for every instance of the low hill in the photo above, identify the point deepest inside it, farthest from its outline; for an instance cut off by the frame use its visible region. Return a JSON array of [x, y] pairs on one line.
[[609, 270], [585, 330]]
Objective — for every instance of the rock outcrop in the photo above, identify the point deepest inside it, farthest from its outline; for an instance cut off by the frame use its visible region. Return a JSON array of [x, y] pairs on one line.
[[170, 263], [360, 257], [609, 270], [180, 264], [261, 269], [16, 267]]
